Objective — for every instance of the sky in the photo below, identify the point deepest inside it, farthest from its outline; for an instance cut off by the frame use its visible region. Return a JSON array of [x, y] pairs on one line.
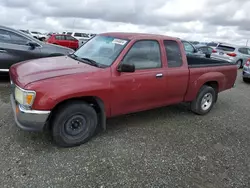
[[200, 20]]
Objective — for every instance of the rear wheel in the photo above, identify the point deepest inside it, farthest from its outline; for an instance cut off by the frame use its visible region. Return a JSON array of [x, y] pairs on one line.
[[204, 100], [239, 64], [74, 124]]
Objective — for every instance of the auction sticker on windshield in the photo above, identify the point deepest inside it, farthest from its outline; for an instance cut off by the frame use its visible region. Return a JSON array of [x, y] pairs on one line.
[[119, 41]]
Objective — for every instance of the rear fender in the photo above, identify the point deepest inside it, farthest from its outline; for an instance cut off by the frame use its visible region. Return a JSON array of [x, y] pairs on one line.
[[195, 85]]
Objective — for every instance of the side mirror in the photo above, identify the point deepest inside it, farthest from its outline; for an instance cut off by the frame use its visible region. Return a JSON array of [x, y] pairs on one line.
[[126, 68], [195, 50], [32, 44], [208, 55]]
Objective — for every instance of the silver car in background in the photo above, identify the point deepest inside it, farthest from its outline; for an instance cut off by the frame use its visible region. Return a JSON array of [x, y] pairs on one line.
[[235, 54], [246, 72]]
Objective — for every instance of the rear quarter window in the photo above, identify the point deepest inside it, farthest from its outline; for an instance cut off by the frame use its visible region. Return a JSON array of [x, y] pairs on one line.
[[173, 53], [226, 48]]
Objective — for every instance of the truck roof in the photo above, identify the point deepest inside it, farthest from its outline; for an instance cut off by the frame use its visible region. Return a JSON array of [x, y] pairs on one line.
[[131, 36]]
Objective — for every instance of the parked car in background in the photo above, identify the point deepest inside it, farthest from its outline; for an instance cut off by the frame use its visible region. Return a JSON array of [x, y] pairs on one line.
[[64, 40], [25, 31], [16, 46], [191, 49], [81, 37], [204, 49], [235, 54], [213, 44], [37, 35], [246, 71], [111, 75]]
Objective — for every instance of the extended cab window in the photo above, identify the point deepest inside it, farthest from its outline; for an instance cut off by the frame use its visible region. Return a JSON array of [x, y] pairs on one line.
[[173, 52], [144, 54]]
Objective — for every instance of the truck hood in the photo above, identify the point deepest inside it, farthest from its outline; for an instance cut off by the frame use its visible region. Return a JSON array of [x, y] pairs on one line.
[[30, 71]]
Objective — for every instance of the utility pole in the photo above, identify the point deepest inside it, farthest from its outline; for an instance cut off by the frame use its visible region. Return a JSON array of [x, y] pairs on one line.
[[247, 42]]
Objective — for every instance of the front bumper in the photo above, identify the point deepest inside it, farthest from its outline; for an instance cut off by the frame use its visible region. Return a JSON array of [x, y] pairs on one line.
[[29, 120]]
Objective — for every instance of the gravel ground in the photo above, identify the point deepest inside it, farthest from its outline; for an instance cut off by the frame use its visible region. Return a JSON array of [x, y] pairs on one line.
[[166, 147]]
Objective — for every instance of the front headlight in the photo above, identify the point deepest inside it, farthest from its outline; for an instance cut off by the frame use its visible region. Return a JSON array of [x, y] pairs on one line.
[[24, 97]]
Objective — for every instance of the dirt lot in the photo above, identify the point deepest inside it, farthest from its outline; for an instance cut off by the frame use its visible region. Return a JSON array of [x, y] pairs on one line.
[[166, 147]]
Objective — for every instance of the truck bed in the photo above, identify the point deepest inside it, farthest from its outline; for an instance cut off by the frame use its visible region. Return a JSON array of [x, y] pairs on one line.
[[200, 61]]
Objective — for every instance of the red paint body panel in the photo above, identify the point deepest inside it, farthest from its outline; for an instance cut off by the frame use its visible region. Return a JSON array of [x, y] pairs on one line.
[[60, 78], [73, 44]]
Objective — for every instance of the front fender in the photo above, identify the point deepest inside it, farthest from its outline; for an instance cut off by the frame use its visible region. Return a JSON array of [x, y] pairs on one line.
[[53, 91]]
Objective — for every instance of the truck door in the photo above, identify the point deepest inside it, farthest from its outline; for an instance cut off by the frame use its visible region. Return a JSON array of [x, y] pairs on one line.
[[177, 72], [143, 89]]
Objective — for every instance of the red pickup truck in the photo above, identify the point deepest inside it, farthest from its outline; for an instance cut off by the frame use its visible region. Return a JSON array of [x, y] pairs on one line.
[[110, 75]]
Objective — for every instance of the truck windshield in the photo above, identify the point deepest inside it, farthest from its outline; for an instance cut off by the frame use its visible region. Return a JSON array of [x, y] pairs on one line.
[[102, 49]]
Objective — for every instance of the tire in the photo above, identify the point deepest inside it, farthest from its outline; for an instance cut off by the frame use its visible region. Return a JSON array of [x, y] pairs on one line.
[[239, 64], [197, 105], [247, 80], [42, 39], [65, 133]]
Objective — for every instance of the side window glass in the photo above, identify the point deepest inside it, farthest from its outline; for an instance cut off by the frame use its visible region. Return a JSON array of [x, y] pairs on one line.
[[173, 52], [5, 36], [203, 50], [248, 51], [144, 54], [12, 38], [60, 37], [70, 38], [242, 50], [77, 34], [210, 50], [18, 39], [188, 47]]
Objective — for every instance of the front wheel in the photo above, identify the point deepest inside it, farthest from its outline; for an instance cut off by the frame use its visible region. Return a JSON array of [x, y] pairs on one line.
[[204, 100], [74, 124]]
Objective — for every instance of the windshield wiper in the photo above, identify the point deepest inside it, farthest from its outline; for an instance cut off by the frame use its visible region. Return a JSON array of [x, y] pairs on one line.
[[73, 56], [86, 60], [91, 62]]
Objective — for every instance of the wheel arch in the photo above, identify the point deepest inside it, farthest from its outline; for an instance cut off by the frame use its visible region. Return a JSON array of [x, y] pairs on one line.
[[215, 86], [93, 101]]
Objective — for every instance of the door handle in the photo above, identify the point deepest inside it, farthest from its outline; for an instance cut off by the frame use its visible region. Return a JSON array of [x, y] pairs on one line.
[[3, 51], [159, 75]]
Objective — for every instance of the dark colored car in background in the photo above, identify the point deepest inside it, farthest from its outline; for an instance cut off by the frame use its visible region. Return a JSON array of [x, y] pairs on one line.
[[205, 49], [16, 46], [64, 40]]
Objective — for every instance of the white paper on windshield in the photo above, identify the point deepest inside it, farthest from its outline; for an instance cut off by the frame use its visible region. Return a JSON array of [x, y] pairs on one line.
[[119, 41]]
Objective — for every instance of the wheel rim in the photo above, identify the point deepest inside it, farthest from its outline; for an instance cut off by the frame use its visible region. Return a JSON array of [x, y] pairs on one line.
[[75, 126], [206, 101]]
